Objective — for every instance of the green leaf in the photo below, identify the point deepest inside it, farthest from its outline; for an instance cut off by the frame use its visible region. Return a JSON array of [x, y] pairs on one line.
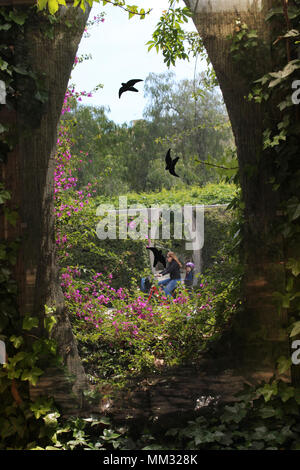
[[11, 216], [103, 420], [19, 17], [267, 412], [293, 12], [49, 322], [5, 27], [53, 6], [16, 340], [289, 284], [51, 419], [296, 329], [17, 358], [4, 196], [41, 406], [20, 70], [109, 434], [282, 74], [284, 364], [287, 393], [42, 4], [2, 129], [294, 265], [32, 375], [30, 322], [268, 390], [292, 33], [4, 66], [234, 413], [282, 299], [296, 213]]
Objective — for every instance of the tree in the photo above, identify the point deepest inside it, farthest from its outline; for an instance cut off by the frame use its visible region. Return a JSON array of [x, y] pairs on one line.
[[191, 117], [101, 140], [28, 172], [37, 56], [261, 333], [131, 157]]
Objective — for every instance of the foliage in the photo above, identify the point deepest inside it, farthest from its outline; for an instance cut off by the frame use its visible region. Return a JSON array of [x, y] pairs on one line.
[[30, 350], [120, 334], [246, 49], [30, 347], [261, 418], [78, 244], [264, 422], [76, 219], [8, 253], [235, 430], [25, 90], [169, 36], [117, 331], [209, 194], [53, 6], [132, 156], [280, 141]]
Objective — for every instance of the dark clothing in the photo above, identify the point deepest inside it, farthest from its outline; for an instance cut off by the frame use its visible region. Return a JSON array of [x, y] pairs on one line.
[[145, 285], [188, 281], [172, 269]]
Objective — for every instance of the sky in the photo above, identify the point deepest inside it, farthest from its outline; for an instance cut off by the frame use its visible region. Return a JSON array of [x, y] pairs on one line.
[[119, 54]]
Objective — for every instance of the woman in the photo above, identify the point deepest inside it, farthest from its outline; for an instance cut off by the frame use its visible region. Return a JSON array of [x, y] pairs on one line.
[[173, 268]]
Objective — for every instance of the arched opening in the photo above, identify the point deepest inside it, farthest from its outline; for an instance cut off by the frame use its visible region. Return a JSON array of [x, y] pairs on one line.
[[27, 170]]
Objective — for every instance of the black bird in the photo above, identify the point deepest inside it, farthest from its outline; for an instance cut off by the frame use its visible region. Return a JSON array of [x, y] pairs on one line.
[[129, 86], [170, 164], [158, 256]]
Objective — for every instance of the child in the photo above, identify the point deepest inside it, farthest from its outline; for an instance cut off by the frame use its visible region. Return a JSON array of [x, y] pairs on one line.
[[189, 275], [145, 284]]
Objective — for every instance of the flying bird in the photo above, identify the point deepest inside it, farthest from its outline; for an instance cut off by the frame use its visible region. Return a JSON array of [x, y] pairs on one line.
[[129, 86], [158, 256], [170, 164]]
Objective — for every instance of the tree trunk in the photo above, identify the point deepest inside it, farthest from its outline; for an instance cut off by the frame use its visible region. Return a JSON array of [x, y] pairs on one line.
[[258, 337], [29, 176]]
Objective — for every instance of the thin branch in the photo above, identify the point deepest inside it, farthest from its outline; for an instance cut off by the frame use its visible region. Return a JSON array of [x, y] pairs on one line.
[[194, 86], [128, 11], [217, 166]]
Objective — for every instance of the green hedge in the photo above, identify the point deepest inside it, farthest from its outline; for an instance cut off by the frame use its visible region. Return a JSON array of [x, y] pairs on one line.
[[210, 194], [129, 258], [217, 233]]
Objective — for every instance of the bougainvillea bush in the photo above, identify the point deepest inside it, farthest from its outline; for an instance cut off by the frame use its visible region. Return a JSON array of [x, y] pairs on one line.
[[121, 333]]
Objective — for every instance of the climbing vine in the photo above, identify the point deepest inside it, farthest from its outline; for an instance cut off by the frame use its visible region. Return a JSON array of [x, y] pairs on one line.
[[281, 142], [28, 349], [29, 346]]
